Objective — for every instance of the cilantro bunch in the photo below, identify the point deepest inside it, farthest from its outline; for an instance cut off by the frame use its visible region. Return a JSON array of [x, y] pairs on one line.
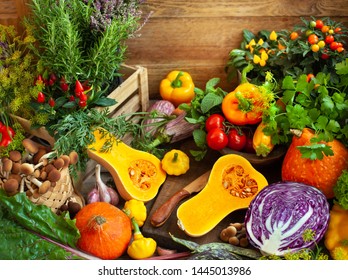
[[320, 104]]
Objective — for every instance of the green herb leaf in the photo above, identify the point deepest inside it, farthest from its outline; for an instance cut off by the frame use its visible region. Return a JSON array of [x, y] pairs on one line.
[[315, 151]]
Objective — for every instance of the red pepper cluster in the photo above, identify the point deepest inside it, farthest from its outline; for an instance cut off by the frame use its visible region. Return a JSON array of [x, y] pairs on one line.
[[54, 90]]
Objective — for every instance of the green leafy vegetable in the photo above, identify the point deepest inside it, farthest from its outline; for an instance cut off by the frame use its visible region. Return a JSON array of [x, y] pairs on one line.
[[341, 190], [321, 104], [205, 103], [29, 231]]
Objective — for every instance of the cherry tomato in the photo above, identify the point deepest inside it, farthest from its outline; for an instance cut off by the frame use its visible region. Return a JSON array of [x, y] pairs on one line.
[[313, 39], [329, 39], [334, 46], [214, 121], [319, 24], [236, 140], [340, 49], [217, 139]]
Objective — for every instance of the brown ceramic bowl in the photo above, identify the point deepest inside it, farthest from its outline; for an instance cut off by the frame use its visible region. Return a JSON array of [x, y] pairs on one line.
[[277, 153]]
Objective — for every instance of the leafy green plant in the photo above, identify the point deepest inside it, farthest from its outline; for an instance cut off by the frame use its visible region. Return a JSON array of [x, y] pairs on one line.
[[80, 41], [316, 45], [320, 104]]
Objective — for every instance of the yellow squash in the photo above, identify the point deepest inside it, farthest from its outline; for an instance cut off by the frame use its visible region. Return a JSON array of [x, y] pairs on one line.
[[137, 174], [232, 184]]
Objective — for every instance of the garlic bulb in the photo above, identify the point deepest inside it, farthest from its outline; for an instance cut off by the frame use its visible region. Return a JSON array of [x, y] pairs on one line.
[[101, 192]]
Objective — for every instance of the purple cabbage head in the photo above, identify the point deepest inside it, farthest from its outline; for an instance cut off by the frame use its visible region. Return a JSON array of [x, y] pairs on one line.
[[280, 215]]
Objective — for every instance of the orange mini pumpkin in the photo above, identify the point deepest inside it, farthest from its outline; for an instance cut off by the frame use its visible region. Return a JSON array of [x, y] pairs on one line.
[[105, 230], [322, 174]]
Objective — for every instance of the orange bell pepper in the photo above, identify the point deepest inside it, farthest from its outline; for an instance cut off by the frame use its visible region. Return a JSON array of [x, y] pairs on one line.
[[244, 105], [177, 88]]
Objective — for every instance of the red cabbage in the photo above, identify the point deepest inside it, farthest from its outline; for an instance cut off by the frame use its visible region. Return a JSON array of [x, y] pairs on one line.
[[281, 213]]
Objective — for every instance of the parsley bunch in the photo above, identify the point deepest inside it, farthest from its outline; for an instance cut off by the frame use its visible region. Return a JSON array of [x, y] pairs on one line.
[[320, 104]]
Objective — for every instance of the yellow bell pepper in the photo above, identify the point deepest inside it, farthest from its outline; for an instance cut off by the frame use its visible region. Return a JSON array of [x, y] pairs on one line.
[[177, 88], [136, 209], [262, 143], [175, 162], [141, 247], [336, 236]]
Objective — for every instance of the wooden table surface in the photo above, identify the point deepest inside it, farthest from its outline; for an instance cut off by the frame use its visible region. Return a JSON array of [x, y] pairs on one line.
[[173, 184]]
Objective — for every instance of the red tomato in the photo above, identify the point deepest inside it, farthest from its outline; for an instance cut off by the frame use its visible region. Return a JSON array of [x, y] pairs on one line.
[[217, 139], [214, 121], [236, 140]]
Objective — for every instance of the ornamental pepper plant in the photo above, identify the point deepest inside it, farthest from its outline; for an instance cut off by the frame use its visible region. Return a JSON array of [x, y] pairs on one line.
[[315, 45]]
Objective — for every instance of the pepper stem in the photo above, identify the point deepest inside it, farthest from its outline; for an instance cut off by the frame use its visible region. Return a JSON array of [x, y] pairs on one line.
[[177, 83], [244, 104]]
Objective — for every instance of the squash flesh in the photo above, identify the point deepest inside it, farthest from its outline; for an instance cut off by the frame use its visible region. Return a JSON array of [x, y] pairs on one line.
[[232, 184], [137, 174]]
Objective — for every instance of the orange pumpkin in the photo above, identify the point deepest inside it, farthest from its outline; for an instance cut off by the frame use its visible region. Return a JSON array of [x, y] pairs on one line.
[[322, 174], [105, 230]]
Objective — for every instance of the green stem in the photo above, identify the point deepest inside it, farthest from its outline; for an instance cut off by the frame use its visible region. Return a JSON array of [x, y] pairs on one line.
[[177, 83], [175, 158], [244, 104]]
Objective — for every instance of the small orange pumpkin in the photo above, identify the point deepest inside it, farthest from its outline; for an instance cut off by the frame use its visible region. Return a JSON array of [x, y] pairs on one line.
[[322, 174], [105, 230]]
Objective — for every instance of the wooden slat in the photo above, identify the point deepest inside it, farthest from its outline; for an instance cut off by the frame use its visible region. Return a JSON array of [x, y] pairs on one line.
[[197, 36]]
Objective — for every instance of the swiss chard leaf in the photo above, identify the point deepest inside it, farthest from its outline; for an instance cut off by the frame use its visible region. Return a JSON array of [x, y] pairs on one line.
[[40, 219]]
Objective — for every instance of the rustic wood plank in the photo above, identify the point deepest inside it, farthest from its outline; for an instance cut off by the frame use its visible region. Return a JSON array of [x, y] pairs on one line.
[[246, 8]]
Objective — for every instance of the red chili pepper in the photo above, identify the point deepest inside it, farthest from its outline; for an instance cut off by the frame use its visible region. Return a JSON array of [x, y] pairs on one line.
[[7, 133], [40, 97], [51, 102], [78, 88], [63, 85]]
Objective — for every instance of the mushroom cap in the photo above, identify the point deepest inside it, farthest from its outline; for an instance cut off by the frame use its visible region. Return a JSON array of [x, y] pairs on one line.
[[15, 155], [74, 157], [54, 175], [59, 163], [27, 168], [7, 164], [31, 146], [11, 185], [44, 187]]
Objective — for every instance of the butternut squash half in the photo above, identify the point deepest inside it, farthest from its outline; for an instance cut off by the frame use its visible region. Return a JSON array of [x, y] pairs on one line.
[[232, 184], [137, 174]]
